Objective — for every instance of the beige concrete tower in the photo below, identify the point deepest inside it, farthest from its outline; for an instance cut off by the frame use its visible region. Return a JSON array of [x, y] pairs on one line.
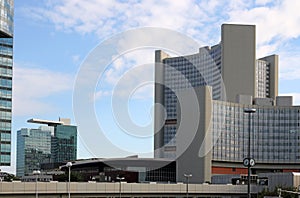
[[238, 60], [194, 137], [273, 75], [159, 98]]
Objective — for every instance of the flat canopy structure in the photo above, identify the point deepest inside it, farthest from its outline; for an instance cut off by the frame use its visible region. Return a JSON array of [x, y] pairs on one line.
[[48, 122]]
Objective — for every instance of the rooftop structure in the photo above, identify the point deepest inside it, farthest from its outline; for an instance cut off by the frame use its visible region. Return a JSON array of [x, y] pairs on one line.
[[62, 121]]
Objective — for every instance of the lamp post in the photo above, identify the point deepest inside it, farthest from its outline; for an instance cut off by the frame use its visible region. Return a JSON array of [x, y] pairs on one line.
[[36, 173], [69, 164], [120, 190], [187, 176], [249, 161]]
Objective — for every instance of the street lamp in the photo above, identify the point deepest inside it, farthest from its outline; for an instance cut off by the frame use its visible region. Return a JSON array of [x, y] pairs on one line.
[[120, 179], [69, 164], [249, 161], [36, 173], [279, 192], [187, 176]]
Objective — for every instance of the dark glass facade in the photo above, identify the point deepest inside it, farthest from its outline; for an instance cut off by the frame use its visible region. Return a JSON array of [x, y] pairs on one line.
[[6, 64], [64, 143], [48, 144], [33, 149], [134, 170], [6, 18]]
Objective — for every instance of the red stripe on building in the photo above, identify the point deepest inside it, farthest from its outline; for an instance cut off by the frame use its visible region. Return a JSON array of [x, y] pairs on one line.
[[227, 170]]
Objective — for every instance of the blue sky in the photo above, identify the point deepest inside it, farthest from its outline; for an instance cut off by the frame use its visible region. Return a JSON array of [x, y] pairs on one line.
[[54, 37]]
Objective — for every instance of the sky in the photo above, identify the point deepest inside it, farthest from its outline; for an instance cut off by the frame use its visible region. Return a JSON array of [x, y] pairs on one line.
[[54, 39]]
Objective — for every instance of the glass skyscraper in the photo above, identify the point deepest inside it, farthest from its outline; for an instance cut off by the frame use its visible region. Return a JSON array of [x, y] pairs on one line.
[[64, 143], [33, 149], [56, 142], [6, 64]]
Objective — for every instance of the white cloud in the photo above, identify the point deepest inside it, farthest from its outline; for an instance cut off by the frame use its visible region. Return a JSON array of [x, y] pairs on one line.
[[277, 20], [32, 86], [262, 2], [135, 82], [76, 59], [277, 27], [289, 64], [296, 98], [126, 61], [111, 16], [144, 91], [126, 72], [99, 94], [275, 24]]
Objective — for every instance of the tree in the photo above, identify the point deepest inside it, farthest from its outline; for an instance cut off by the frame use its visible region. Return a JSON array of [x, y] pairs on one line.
[[75, 177]]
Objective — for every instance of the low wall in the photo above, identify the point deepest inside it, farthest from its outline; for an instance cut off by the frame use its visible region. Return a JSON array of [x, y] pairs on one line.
[[78, 189]]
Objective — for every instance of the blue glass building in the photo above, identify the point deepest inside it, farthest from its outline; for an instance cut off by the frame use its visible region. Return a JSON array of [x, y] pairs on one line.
[[33, 149], [6, 64], [54, 143], [64, 143]]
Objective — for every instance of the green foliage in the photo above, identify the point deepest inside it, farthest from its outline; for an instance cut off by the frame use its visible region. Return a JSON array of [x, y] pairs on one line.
[[75, 177], [266, 192], [9, 177], [275, 192]]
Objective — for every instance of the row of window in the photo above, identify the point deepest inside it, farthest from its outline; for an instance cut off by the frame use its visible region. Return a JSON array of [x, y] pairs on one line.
[[269, 137], [5, 158], [6, 72], [5, 50], [4, 115], [5, 148], [6, 137], [5, 82], [4, 104], [6, 41], [5, 126]]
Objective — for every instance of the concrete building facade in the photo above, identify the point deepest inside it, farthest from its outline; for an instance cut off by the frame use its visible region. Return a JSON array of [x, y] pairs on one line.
[[230, 68], [205, 94], [274, 137]]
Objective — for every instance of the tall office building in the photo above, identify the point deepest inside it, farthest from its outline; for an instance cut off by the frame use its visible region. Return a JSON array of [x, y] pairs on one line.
[[64, 143], [6, 64], [229, 67], [56, 142], [33, 149], [224, 79]]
